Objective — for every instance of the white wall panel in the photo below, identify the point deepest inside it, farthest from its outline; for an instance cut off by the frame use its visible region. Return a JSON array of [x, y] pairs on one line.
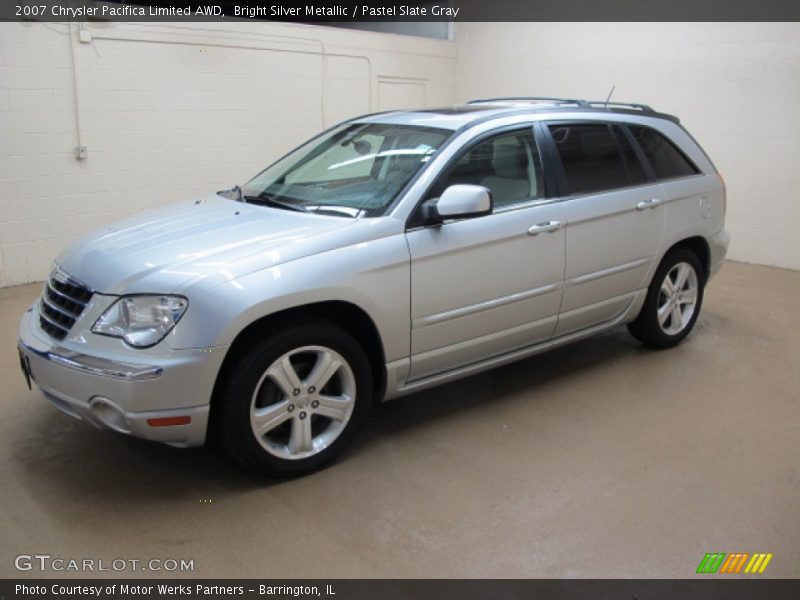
[[168, 111], [736, 87]]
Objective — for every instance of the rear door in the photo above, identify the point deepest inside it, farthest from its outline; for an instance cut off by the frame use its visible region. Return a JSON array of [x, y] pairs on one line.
[[615, 221]]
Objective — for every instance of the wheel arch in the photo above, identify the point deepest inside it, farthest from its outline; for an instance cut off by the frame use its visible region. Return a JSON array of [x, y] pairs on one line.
[[701, 249], [349, 316]]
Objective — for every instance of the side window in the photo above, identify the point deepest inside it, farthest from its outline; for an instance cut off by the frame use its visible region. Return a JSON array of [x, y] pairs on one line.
[[592, 156], [667, 161], [507, 164], [634, 167]]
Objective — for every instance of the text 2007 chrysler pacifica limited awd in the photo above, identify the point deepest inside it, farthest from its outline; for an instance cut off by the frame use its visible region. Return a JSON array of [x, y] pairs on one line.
[[391, 253]]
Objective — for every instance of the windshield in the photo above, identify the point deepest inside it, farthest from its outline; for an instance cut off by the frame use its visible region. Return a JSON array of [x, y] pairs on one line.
[[352, 170]]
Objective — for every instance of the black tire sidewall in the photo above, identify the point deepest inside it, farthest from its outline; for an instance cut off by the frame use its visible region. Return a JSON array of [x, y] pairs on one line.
[[235, 430], [646, 327]]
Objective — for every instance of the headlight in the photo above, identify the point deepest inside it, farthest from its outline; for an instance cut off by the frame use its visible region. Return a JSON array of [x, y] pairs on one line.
[[141, 321]]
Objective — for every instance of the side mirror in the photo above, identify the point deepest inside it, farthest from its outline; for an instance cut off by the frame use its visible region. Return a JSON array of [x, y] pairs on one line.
[[460, 201]]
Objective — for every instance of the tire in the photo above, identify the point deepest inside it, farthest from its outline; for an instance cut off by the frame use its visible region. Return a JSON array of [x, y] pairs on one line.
[[286, 408], [669, 314]]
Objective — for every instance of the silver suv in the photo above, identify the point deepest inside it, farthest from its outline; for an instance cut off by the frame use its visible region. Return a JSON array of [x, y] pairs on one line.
[[391, 253]]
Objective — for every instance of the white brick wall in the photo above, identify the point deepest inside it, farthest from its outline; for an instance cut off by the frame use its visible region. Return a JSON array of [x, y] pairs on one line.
[[168, 111], [736, 87]]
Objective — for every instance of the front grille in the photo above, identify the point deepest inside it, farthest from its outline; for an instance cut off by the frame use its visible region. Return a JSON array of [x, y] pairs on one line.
[[62, 302]]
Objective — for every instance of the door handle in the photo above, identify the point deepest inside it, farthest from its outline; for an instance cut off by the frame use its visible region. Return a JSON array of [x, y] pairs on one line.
[[548, 227], [652, 203]]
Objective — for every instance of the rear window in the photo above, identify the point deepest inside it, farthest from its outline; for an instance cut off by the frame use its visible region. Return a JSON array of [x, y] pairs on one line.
[[595, 158], [667, 161]]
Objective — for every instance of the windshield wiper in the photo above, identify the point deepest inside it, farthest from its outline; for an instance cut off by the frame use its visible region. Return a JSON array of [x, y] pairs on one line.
[[268, 200], [334, 209]]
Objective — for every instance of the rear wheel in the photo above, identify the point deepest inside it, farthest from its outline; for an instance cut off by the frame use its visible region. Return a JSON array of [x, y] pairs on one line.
[[673, 301], [296, 400]]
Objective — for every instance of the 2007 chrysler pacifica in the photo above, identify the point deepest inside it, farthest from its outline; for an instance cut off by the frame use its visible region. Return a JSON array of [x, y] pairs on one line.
[[389, 254]]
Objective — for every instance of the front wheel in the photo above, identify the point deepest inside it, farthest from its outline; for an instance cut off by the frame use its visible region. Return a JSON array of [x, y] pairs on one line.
[[673, 301], [296, 399]]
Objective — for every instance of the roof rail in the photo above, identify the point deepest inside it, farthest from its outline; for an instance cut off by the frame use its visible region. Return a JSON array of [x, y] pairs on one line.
[[603, 103], [575, 101]]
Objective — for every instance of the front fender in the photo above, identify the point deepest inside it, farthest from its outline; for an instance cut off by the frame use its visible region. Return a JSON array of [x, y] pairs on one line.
[[373, 275]]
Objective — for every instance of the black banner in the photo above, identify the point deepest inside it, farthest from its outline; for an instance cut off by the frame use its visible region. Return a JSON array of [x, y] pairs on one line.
[[332, 11], [713, 588]]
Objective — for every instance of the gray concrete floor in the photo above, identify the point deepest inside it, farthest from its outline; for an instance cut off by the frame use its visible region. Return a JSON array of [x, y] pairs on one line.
[[601, 459]]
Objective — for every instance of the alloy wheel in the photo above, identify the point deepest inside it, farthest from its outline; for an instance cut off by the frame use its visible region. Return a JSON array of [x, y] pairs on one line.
[[677, 298], [303, 402]]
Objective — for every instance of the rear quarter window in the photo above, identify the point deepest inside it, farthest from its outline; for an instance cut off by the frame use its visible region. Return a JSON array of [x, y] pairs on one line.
[[665, 158]]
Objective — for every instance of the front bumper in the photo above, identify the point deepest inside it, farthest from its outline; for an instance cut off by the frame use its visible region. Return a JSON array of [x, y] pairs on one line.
[[162, 398]]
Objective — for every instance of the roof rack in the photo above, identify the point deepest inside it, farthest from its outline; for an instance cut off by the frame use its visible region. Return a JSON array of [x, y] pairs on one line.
[[576, 101], [603, 103]]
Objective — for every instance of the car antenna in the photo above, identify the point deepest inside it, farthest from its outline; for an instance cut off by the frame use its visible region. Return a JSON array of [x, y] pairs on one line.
[[613, 86]]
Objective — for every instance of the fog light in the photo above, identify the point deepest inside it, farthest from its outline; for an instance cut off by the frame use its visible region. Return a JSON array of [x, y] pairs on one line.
[[109, 414]]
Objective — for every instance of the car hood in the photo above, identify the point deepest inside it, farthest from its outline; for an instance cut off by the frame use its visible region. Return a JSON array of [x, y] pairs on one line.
[[202, 242]]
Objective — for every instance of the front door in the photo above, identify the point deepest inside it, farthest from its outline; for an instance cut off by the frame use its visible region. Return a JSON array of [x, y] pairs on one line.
[[481, 287]]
